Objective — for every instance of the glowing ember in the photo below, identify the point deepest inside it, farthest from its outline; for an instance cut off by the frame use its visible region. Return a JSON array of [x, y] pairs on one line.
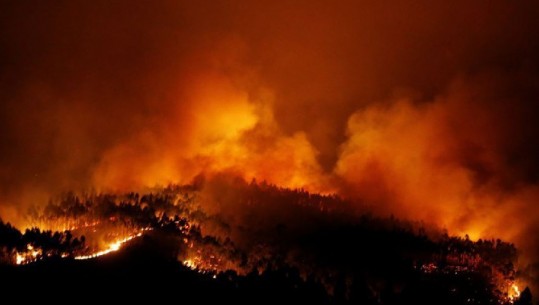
[[115, 246]]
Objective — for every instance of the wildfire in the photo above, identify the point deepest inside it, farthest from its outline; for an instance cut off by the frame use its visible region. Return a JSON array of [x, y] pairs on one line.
[[197, 263], [29, 256], [179, 212], [189, 263], [113, 247], [514, 292]]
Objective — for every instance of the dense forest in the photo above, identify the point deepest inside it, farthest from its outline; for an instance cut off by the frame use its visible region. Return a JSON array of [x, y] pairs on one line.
[[242, 240]]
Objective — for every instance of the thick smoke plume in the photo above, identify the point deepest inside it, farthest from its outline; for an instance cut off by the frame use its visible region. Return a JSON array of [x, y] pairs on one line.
[[425, 111]]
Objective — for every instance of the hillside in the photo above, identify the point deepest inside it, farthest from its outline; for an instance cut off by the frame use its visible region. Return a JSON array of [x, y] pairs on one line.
[[231, 240]]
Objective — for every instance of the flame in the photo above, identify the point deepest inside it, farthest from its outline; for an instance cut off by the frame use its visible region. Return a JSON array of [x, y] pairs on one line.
[[197, 263], [32, 254], [113, 247], [189, 263], [203, 265], [29, 256], [514, 293], [19, 259]]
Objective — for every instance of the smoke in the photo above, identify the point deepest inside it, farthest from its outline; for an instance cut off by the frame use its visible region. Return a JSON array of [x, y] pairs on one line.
[[426, 111], [218, 127], [463, 160]]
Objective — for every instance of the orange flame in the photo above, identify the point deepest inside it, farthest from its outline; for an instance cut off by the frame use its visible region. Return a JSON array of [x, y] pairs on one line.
[[112, 247], [513, 293]]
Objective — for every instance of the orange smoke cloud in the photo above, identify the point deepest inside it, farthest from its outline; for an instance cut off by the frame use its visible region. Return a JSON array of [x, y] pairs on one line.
[[222, 129], [445, 162]]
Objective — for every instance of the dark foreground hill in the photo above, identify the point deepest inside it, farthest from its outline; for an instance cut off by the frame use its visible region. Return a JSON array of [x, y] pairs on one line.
[[241, 243], [141, 271]]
